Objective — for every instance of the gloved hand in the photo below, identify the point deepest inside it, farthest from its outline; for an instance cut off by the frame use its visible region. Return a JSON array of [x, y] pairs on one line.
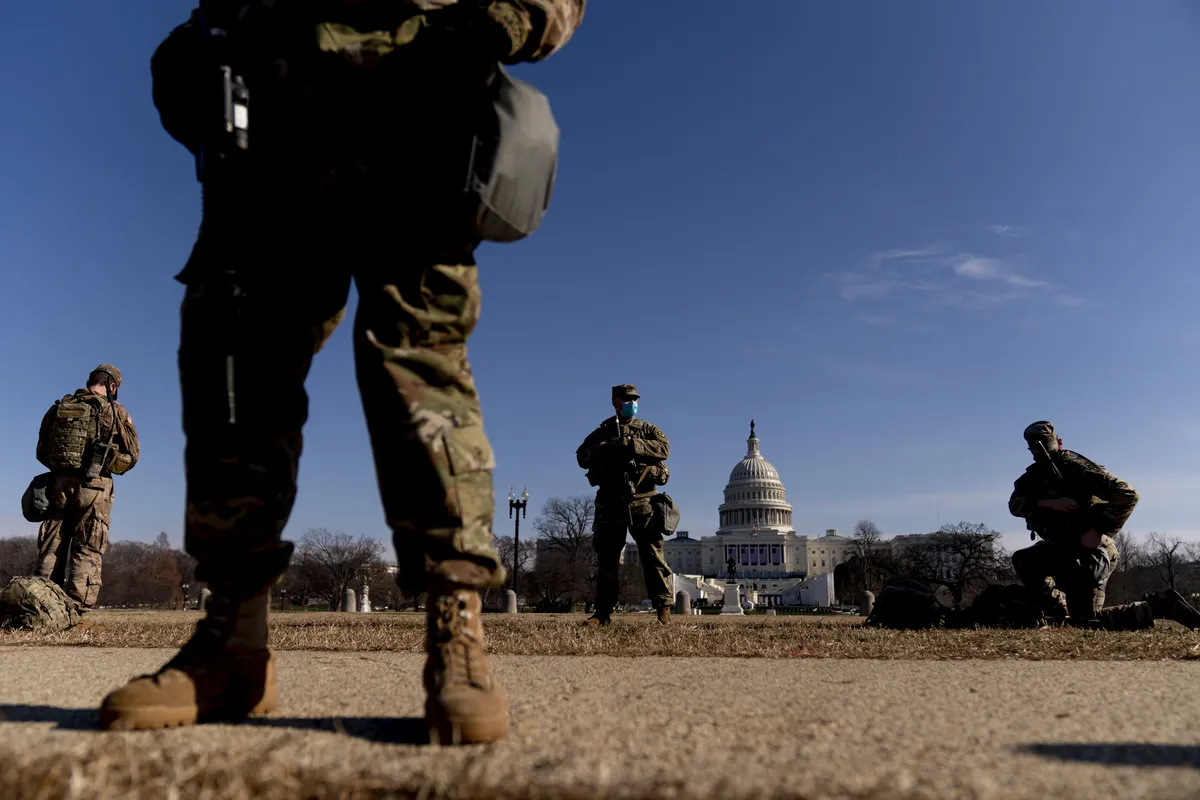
[[508, 28]]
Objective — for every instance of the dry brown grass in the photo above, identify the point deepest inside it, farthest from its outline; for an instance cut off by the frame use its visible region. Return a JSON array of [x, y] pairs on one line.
[[638, 635]]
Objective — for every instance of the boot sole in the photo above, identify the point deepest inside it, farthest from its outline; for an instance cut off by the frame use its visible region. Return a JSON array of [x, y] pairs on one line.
[[153, 717], [473, 730]]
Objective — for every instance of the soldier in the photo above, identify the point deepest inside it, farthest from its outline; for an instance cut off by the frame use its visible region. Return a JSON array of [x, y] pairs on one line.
[[85, 438], [364, 114], [625, 457], [1077, 507]]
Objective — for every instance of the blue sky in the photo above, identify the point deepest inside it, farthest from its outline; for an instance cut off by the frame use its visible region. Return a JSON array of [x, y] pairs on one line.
[[892, 233]]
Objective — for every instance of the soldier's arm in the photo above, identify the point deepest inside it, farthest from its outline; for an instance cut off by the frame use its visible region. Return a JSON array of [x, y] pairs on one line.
[[585, 456], [651, 444], [1119, 500], [1023, 500], [128, 444], [179, 69], [537, 29]]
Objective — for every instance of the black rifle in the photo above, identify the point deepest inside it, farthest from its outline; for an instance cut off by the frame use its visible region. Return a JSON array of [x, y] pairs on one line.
[[628, 470], [1038, 529]]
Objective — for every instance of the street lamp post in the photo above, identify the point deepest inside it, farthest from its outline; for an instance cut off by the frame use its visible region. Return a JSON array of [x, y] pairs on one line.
[[519, 507]]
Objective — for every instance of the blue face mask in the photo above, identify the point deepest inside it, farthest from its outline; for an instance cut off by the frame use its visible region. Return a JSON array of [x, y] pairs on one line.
[[629, 409]]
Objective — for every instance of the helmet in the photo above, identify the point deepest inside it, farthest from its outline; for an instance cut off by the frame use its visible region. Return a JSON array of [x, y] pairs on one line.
[[111, 370]]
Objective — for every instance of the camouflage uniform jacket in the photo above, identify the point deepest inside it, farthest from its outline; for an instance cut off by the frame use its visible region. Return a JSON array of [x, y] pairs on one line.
[[359, 33], [1105, 501], [607, 460], [126, 450]]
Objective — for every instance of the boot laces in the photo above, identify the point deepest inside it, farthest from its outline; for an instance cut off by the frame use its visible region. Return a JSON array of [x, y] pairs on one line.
[[454, 619]]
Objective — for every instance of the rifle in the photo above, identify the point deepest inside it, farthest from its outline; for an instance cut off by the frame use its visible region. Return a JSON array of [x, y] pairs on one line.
[[102, 450], [628, 470], [1038, 529]]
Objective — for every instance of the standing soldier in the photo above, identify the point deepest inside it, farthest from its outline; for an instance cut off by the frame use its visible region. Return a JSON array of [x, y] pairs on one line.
[[353, 125], [626, 458], [85, 439], [1077, 506]]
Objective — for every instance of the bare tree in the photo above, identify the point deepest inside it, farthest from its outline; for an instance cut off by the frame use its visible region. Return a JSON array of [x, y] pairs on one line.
[[865, 542], [566, 525], [1170, 557], [18, 556], [331, 561], [1130, 552], [965, 558], [565, 568]]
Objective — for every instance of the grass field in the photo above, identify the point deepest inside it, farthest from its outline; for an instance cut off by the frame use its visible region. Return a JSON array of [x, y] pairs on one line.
[[640, 635]]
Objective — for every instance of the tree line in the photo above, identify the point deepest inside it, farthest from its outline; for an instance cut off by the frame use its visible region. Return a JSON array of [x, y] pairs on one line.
[[962, 559]]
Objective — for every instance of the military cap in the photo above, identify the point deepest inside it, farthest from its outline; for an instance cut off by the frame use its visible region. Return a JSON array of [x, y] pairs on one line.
[[1041, 431], [625, 390], [111, 370]]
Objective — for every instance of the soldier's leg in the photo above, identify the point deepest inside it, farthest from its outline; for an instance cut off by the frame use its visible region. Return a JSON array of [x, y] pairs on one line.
[[608, 541], [88, 544], [1036, 567], [52, 549], [434, 466], [1084, 579], [243, 361], [654, 564]]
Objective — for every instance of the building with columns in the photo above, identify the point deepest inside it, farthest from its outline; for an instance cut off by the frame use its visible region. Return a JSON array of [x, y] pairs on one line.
[[755, 533]]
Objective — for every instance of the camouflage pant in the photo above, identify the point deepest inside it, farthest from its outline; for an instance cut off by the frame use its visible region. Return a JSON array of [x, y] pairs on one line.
[[609, 529], [72, 544], [418, 303], [1070, 580]]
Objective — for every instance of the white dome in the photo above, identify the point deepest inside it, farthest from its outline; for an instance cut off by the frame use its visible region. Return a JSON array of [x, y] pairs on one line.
[[755, 497]]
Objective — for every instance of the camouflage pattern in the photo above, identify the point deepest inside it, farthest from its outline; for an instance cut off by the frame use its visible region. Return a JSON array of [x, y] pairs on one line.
[[72, 541], [534, 29], [433, 460], [113, 372], [1069, 580], [1105, 501], [37, 604], [605, 454]]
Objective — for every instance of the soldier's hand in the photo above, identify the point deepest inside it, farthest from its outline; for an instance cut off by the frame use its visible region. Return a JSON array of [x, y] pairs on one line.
[[1090, 539]]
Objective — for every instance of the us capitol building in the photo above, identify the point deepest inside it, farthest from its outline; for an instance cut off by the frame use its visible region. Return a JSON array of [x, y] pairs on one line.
[[773, 565]]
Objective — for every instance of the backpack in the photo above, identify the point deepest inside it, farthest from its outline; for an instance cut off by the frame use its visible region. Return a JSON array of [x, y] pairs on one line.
[[74, 424], [664, 514], [906, 604], [36, 604], [1007, 606]]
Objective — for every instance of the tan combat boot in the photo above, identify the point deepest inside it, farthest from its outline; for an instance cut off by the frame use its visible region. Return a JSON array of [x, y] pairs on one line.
[[598, 619], [664, 615], [223, 673], [464, 704]]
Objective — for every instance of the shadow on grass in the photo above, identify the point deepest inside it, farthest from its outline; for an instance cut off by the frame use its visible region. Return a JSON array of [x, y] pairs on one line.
[[1118, 754], [385, 730]]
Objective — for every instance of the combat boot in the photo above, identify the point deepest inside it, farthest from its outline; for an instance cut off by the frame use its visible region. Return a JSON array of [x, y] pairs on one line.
[[597, 619], [664, 615], [224, 673], [464, 704], [1171, 605]]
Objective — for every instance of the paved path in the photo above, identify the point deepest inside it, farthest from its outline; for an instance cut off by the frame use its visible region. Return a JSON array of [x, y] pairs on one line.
[[655, 727]]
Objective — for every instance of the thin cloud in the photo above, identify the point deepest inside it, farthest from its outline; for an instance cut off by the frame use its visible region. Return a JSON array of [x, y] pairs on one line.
[[1005, 230], [939, 277]]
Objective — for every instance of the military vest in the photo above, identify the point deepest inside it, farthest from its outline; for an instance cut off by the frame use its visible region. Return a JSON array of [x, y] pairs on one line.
[[74, 426]]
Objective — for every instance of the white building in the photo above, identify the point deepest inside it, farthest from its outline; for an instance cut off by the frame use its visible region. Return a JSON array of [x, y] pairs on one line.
[[771, 561]]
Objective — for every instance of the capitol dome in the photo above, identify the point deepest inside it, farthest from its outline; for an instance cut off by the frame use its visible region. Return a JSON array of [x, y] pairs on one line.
[[755, 497]]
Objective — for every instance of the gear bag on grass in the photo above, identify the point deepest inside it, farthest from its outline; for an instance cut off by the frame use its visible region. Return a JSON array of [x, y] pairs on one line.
[[36, 604], [906, 604], [1007, 606], [513, 162]]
